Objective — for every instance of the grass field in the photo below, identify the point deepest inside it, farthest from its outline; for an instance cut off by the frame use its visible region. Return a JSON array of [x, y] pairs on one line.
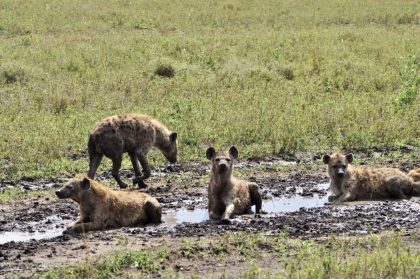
[[267, 76], [383, 256]]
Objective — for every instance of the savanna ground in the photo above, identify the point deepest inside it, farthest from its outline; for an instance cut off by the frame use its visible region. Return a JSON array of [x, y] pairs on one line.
[[283, 79]]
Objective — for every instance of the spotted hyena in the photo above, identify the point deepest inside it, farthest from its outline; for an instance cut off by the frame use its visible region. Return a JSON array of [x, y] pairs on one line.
[[227, 195], [349, 183], [135, 134], [103, 208]]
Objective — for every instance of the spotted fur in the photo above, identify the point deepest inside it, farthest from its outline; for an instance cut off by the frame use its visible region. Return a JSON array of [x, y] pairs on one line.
[[103, 208], [227, 195], [349, 183]]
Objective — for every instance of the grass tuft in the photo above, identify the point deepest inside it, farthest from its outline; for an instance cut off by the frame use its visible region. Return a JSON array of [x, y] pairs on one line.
[[165, 70]]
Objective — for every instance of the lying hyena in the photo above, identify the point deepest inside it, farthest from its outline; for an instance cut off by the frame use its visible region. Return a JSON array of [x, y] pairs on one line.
[[132, 133], [103, 208], [349, 183], [228, 195]]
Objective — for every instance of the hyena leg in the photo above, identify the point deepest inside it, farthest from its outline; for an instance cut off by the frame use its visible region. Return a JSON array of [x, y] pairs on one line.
[[393, 185], [333, 198], [116, 165], [146, 171], [215, 209], [347, 197], [135, 164], [84, 227], [228, 213], [94, 164], [255, 197]]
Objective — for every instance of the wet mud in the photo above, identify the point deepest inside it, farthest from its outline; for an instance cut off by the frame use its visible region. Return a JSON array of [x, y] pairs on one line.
[[295, 201]]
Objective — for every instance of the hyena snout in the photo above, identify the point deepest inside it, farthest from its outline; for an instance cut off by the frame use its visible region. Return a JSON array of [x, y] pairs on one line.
[[172, 159], [62, 194], [222, 165], [339, 171]]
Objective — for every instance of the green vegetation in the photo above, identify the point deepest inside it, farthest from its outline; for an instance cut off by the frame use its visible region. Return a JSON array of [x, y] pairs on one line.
[[116, 265], [266, 76], [373, 256], [10, 194]]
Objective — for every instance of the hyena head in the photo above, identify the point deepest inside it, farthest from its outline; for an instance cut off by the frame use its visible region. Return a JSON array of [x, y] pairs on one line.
[[222, 162], [338, 164], [74, 188], [170, 148]]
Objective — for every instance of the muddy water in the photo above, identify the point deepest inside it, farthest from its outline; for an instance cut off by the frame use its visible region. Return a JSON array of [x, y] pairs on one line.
[[270, 206], [277, 205], [27, 236], [171, 218]]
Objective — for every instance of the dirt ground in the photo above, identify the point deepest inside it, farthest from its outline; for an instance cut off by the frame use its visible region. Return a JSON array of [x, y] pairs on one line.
[[184, 188]]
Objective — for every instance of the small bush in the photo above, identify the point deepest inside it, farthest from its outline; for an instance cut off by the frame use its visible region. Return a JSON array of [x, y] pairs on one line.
[[287, 73], [11, 74], [164, 70]]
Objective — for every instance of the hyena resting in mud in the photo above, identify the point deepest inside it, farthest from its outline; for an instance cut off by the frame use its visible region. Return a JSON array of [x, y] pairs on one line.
[[135, 134], [227, 195], [103, 208], [349, 183]]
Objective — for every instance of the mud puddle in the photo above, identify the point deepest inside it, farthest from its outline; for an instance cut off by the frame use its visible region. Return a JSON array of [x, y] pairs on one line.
[[6, 237], [272, 206], [53, 226]]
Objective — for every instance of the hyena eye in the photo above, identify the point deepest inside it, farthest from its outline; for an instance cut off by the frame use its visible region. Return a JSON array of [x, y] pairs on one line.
[[227, 159], [217, 160]]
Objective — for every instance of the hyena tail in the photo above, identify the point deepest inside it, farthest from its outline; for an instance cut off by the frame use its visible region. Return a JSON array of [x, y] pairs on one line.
[[153, 211], [91, 148]]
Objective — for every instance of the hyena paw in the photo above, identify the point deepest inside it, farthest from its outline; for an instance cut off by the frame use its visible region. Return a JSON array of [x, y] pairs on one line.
[[332, 198], [225, 221], [139, 181], [123, 185], [71, 231]]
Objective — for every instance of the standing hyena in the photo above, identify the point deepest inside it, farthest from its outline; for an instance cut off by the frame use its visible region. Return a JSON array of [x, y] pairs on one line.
[[103, 208], [135, 134], [228, 195], [349, 183]]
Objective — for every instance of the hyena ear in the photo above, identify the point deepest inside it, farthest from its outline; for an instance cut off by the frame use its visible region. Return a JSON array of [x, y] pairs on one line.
[[349, 157], [85, 184], [210, 152], [173, 137], [233, 151], [326, 158]]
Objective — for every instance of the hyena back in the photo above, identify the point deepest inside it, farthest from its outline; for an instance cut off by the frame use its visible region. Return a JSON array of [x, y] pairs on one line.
[[227, 195], [135, 134], [349, 183]]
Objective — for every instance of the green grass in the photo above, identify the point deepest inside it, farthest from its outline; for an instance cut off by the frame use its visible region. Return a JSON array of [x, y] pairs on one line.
[[112, 267], [10, 194], [266, 76], [373, 256]]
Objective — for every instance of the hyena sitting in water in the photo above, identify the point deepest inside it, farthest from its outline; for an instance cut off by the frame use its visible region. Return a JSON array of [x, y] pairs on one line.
[[228, 195], [135, 134], [349, 183], [103, 208]]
